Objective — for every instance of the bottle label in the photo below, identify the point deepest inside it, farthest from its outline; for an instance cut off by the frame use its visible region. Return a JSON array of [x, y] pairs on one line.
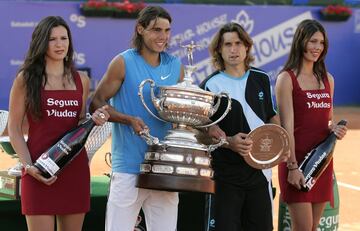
[[64, 147], [310, 183], [48, 164], [315, 166]]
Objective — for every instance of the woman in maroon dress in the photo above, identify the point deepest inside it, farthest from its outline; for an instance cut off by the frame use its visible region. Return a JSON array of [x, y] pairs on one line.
[[52, 95], [304, 94]]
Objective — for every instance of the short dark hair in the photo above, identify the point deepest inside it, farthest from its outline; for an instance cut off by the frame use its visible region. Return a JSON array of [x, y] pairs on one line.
[[218, 40], [146, 15]]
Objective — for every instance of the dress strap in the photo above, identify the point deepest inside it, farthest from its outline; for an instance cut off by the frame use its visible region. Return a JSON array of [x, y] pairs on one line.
[[293, 79], [326, 82], [77, 80]]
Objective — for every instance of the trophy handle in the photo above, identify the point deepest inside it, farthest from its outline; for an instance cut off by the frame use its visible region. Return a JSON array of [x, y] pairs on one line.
[[222, 94], [212, 147], [155, 100], [216, 107], [149, 139]]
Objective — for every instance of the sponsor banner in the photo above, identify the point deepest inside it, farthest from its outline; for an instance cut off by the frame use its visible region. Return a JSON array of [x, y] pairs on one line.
[[98, 40]]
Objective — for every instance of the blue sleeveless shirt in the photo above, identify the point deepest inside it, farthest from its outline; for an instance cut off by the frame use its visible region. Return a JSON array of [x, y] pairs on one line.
[[128, 149]]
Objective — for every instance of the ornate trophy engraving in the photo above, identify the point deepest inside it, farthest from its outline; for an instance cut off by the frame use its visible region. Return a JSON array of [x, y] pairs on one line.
[[180, 162], [270, 146]]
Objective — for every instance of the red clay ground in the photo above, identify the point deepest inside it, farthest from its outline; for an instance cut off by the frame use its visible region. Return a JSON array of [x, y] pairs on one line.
[[347, 169]]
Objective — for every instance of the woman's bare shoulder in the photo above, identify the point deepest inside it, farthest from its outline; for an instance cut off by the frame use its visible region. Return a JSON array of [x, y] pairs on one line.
[[19, 80], [284, 78]]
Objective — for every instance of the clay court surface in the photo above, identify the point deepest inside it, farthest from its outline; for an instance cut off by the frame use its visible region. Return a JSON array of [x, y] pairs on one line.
[[346, 164]]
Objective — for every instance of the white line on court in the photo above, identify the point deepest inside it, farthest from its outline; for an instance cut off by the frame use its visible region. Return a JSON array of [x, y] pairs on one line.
[[349, 186]]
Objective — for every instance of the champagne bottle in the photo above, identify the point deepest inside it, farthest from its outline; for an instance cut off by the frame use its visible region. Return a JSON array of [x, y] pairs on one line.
[[318, 159], [65, 150]]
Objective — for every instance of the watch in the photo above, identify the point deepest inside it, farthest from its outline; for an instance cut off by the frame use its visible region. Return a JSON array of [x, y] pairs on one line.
[[26, 168]]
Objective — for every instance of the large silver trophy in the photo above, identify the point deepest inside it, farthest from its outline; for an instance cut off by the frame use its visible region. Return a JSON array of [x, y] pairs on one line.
[[180, 162]]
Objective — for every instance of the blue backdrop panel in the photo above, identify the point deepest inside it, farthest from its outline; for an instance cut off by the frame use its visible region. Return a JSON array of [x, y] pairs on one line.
[[98, 40]]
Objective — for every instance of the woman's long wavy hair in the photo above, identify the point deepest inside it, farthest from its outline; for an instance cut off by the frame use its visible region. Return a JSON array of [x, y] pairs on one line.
[[146, 15], [217, 42], [33, 69], [303, 34]]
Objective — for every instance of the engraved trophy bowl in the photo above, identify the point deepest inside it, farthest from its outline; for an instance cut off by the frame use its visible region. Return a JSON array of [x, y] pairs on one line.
[[184, 104], [180, 162]]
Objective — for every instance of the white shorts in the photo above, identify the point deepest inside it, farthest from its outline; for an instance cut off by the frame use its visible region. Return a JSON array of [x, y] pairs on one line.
[[125, 201]]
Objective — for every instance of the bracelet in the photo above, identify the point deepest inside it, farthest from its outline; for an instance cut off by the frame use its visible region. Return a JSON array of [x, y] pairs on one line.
[[27, 167], [292, 169], [290, 164]]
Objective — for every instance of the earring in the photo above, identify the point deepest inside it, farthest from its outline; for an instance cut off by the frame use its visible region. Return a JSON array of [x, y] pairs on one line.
[[67, 58]]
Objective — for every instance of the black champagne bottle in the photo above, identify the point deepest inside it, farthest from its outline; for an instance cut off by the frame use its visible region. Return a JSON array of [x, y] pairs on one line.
[[318, 159], [65, 150]]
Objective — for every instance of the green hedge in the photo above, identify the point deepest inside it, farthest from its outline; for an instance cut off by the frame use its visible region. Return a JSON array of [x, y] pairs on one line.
[[325, 2]]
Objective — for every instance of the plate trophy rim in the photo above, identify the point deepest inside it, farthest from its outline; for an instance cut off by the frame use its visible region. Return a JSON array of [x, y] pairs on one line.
[[255, 159]]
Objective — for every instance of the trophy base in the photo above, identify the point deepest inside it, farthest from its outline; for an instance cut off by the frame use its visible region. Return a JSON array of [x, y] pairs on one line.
[[9, 185], [15, 170], [175, 183]]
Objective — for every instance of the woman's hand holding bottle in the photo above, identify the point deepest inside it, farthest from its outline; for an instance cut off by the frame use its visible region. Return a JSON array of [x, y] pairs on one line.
[[100, 116], [36, 173], [339, 130]]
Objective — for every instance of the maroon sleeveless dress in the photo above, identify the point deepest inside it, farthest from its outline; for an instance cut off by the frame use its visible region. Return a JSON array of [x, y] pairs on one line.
[[71, 191], [311, 115]]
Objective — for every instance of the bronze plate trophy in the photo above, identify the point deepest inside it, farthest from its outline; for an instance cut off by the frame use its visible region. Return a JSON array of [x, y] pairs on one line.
[[270, 146], [180, 162]]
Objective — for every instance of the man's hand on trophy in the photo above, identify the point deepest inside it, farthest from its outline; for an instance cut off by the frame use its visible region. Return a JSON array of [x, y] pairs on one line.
[[215, 132], [138, 125], [240, 143]]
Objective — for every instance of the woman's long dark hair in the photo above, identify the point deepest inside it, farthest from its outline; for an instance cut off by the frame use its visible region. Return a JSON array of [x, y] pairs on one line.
[[217, 42], [33, 69], [146, 15], [303, 34]]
